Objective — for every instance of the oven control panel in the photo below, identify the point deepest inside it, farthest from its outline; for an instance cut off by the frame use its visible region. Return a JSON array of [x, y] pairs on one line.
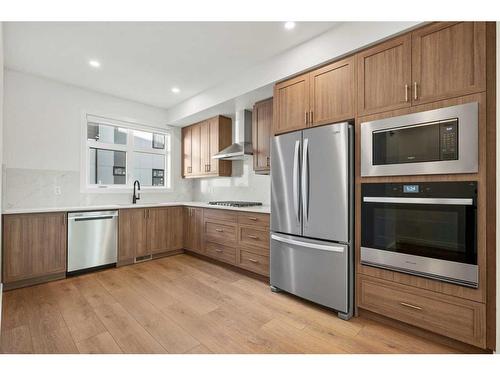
[[448, 138], [452, 189]]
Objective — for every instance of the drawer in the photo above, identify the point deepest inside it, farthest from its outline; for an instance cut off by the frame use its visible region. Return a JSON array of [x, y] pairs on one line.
[[225, 215], [256, 250], [248, 218], [254, 262], [254, 237], [461, 319], [218, 232], [221, 252]]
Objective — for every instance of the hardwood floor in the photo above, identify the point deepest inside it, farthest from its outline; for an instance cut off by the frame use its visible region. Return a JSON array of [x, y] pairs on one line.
[[182, 304]]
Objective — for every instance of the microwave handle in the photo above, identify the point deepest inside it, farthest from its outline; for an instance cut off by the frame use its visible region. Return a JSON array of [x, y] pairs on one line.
[[449, 201]]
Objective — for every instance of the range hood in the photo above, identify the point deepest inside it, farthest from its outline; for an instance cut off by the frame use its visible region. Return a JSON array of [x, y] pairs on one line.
[[242, 145]]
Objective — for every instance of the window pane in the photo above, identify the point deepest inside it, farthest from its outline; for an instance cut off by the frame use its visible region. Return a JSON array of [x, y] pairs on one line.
[[149, 169], [148, 141], [106, 133], [107, 167]]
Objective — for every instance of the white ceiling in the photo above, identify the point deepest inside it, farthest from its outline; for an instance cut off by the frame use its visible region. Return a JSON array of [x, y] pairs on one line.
[[142, 61]]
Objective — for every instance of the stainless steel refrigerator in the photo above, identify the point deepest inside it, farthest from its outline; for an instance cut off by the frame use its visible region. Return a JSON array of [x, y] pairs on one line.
[[312, 215]]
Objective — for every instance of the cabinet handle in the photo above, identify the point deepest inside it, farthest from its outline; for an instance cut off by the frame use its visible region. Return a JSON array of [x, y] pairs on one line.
[[208, 167], [219, 251], [305, 117], [253, 260], [410, 306], [311, 119], [219, 230], [253, 237], [406, 93], [252, 218], [415, 93]]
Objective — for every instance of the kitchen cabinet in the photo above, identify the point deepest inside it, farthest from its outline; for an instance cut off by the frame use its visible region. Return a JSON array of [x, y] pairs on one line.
[[34, 248], [193, 222], [440, 61], [144, 232], [165, 229], [319, 97], [384, 76], [262, 121], [448, 60], [332, 92], [200, 142]]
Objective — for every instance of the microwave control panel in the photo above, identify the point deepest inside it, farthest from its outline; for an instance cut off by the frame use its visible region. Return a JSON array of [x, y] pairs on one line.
[[449, 139]]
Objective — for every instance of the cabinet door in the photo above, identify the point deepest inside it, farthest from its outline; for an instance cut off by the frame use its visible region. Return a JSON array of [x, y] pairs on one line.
[[448, 60], [187, 151], [384, 76], [192, 228], [34, 245], [204, 147], [164, 227], [333, 92], [196, 149], [291, 101], [132, 234], [262, 120], [213, 126]]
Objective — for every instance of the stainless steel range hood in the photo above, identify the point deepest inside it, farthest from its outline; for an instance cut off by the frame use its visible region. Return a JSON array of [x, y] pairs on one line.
[[242, 145]]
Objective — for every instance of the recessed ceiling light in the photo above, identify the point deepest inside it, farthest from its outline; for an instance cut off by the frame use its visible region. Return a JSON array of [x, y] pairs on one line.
[[176, 90], [289, 25], [94, 63]]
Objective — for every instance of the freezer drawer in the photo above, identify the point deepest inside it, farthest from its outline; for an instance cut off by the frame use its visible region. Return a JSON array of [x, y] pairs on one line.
[[311, 269]]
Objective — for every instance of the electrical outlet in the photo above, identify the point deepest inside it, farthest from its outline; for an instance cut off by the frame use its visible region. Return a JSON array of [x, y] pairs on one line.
[[57, 190]]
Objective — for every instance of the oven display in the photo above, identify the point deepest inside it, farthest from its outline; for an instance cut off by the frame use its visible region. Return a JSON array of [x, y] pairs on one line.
[[410, 188]]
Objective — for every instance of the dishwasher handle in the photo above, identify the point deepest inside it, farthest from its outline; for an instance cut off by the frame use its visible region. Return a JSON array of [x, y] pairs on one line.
[[91, 218]]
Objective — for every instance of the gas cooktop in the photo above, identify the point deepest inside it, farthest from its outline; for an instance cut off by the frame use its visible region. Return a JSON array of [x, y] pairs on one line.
[[235, 203]]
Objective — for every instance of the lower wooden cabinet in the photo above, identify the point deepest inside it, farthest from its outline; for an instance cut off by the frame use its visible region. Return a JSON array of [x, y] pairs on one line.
[[193, 223], [144, 232], [458, 318], [34, 248]]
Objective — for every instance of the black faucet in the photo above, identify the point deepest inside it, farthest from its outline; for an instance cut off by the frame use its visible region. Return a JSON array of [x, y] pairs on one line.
[[136, 196]]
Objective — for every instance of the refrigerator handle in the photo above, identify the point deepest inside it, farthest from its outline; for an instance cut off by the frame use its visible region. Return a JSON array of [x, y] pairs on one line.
[[296, 202], [333, 248], [305, 179]]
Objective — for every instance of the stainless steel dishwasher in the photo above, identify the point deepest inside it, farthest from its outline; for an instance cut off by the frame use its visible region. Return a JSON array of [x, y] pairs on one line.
[[92, 239]]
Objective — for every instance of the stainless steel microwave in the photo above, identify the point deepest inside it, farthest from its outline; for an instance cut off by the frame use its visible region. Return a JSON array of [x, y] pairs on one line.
[[439, 141]]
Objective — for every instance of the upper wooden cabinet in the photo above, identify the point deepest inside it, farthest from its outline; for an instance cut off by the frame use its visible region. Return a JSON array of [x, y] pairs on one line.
[[291, 104], [448, 60], [262, 121], [332, 95], [34, 247], [320, 97], [203, 140], [439, 61], [384, 76]]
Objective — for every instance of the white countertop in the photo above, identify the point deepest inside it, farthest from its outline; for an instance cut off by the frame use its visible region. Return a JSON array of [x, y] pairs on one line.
[[256, 209]]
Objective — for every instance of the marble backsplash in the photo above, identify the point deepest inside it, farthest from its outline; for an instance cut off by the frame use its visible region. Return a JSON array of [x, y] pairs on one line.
[[35, 188], [245, 185]]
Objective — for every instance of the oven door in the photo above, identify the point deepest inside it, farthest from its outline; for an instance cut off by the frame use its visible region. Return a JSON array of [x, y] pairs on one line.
[[431, 237]]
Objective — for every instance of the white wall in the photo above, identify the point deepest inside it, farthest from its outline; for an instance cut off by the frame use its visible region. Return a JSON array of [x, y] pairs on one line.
[[42, 131]]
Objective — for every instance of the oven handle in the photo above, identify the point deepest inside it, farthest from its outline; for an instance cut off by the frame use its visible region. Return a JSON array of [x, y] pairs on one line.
[[451, 201]]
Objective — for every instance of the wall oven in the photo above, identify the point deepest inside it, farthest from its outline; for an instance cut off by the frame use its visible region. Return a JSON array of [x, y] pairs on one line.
[[426, 229], [440, 141]]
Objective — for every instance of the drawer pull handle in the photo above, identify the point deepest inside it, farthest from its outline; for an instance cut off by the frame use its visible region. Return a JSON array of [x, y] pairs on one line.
[[253, 260], [253, 237], [219, 230], [219, 251], [252, 218], [410, 306]]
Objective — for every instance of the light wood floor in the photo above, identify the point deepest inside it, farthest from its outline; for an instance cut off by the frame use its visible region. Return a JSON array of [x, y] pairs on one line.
[[183, 304]]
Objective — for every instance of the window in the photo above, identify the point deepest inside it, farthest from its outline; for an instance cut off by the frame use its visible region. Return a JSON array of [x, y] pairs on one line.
[[118, 153]]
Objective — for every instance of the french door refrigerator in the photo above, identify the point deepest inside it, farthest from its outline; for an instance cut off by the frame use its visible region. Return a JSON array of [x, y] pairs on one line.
[[312, 215]]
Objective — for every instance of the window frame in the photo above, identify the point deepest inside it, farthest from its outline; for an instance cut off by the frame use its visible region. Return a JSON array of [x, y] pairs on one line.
[[129, 149]]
